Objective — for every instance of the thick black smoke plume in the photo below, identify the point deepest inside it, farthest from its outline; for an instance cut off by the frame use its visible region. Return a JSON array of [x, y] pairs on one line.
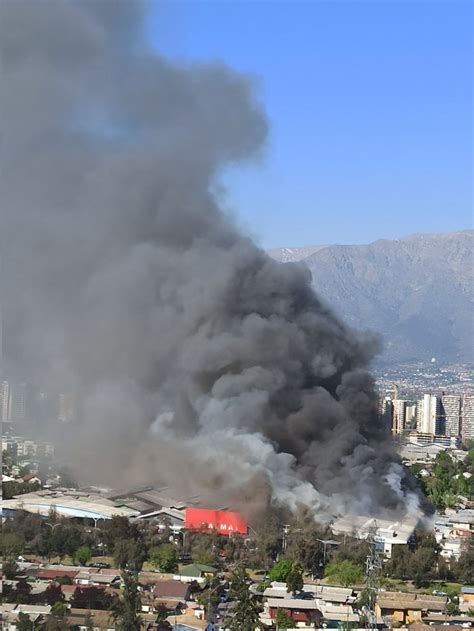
[[200, 362]]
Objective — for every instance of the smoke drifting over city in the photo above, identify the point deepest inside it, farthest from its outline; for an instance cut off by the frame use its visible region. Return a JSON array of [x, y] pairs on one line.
[[198, 361]]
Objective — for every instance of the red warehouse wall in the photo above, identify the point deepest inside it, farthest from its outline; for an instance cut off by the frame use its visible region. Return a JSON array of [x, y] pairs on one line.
[[223, 522]]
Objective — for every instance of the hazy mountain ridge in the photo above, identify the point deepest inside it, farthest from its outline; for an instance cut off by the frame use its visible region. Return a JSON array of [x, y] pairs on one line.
[[292, 255], [416, 292]]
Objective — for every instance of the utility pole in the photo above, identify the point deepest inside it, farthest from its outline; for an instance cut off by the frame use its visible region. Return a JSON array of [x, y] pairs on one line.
[[373, 567], [209, 603]]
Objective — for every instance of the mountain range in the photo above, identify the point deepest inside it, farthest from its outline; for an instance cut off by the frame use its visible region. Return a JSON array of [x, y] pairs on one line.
[[416, 292]]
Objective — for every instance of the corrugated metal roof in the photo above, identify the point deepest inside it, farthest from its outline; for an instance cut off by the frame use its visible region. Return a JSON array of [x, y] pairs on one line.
[[134, 504]]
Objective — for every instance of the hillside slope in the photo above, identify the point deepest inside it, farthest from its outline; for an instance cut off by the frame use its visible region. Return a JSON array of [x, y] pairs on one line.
[[417, 292]]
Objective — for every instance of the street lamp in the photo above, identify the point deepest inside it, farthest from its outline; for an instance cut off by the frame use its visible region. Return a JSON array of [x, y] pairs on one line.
[[327, 542], [52, 526]]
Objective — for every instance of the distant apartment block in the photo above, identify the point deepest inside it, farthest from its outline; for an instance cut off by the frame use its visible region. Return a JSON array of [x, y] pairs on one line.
[[13, 401], [451, 405], [440, 415], [428, 415], [25, 448], [467, 423], [403, 415]]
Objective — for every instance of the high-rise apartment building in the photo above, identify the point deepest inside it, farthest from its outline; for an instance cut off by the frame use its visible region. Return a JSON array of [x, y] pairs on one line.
[[451, 405], [386, 412], [467, 419], [5, 394], [399, 411], [13, 401], [410, 415], [18, 408], [428, 415]]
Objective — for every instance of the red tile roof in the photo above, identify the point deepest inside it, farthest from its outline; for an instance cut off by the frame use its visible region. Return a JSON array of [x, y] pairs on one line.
[[171, 589], [52, 574]]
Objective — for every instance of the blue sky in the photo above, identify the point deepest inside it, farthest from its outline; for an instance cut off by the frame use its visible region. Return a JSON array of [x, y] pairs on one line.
[[370, 108]]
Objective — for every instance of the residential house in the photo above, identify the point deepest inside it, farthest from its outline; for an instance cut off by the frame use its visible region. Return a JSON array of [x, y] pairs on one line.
[[463, 520], [10, 612], [462, 620], [80, 618], [51, 574], [334, 603], [175, 591], [303, 612], [92, 576], [419, 626], [401, 607], [195, 572], [170, 596], [466, 598]]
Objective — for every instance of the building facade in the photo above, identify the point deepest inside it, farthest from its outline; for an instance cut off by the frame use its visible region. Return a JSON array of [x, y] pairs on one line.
[[451, 411], [467, 423]]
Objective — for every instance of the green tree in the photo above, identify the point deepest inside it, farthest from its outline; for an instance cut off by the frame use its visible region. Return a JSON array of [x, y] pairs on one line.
[[22, 592], [83, 555], [12, 544], [304, 545], [13, 488], [399, 565], [164, 557], [465, 566], [25, 525], [129, 555], [203, 547], [267, 542], [294, 579], [209, 597], [10, 568], [244, 615], [59, 609], [344, 573], [53, 594], [90, 597], [283, 620], [452, 608], [352, 549], [58, 621], [66, 538], [423, 565], [280, 570], [24, 622], [118, 529], [126, 607]]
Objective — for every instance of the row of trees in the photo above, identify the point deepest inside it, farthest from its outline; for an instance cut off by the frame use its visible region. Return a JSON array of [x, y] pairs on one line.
[[14, 488], [27, 532], [447, 480], [424, 563]]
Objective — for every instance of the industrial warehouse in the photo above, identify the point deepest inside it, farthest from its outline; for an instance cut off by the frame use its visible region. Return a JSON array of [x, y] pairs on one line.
[[192, 513], [144, 503]]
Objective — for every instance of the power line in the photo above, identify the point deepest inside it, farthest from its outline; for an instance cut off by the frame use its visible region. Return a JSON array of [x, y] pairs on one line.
[[373, 568]]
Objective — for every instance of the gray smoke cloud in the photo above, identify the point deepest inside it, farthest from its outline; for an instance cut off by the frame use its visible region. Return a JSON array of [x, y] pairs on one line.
[[199, 361]]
